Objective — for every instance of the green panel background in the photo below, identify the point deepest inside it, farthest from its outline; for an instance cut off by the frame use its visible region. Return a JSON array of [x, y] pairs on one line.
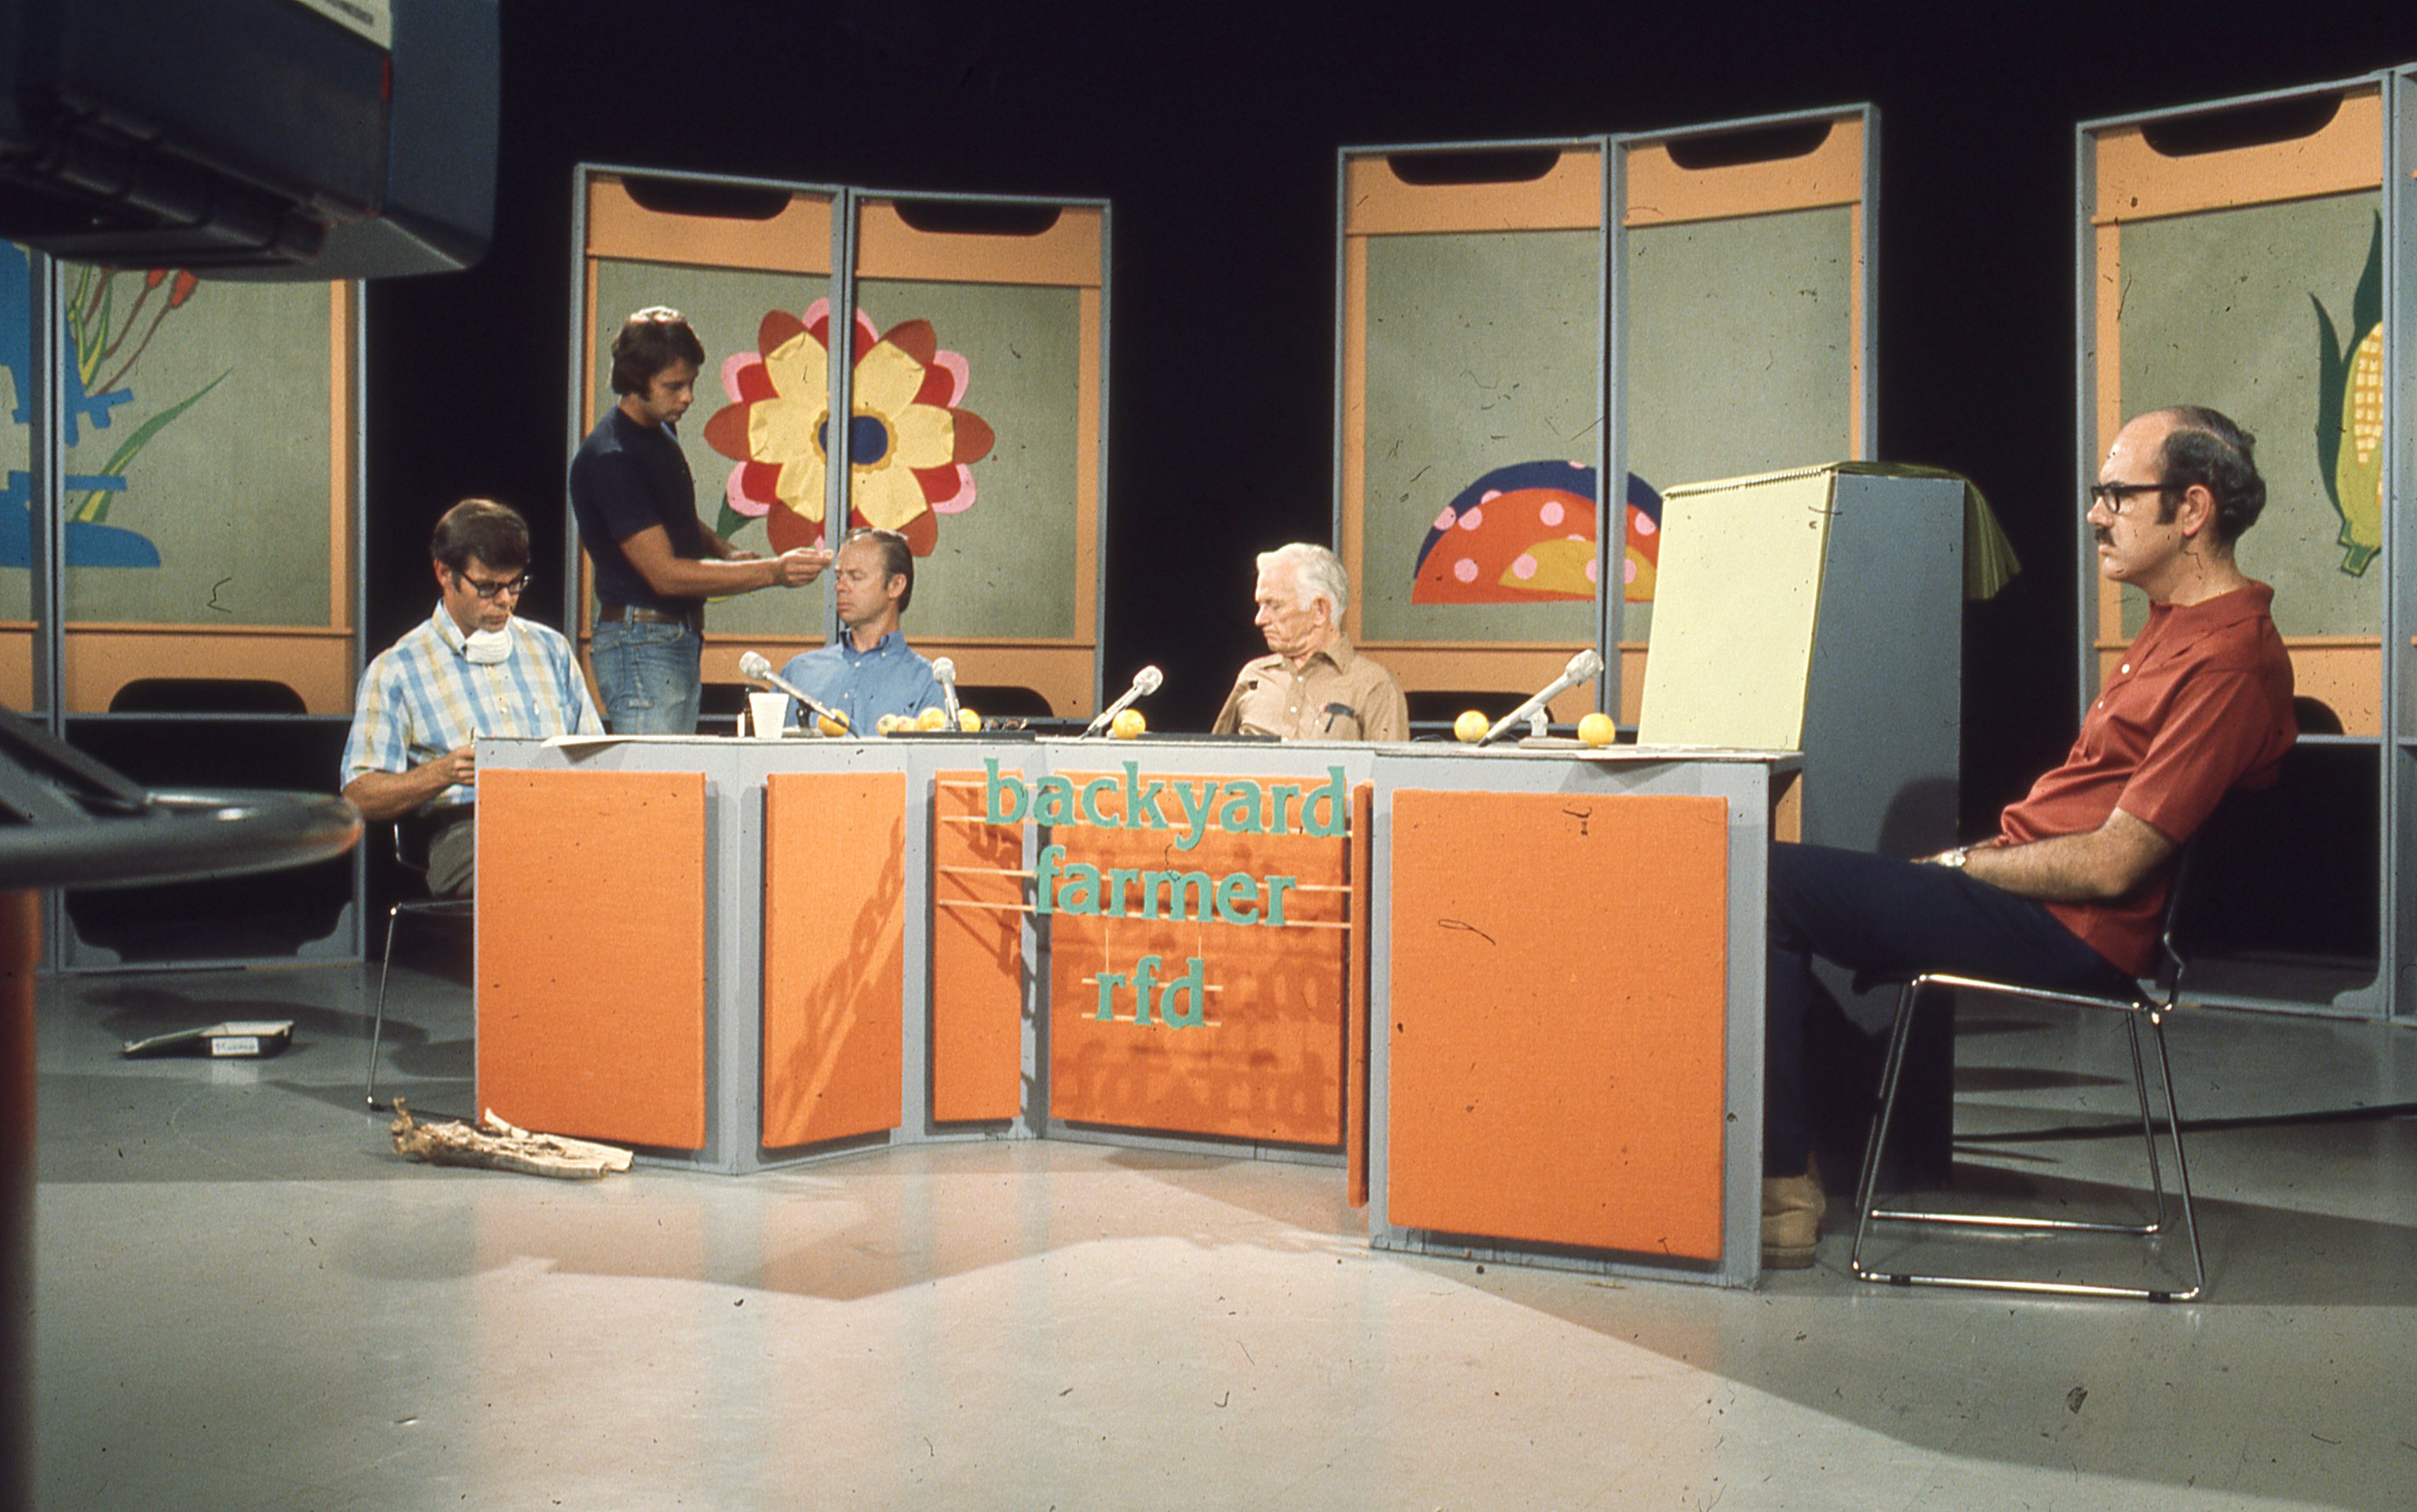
[[726, 306], [1740, 351], [2216, 311], [1003, 567], [1483, 350], [233, 491]]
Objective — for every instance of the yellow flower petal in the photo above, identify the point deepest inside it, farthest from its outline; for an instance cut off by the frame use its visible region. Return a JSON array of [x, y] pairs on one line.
[[887, 380], [926, 436], [800, 485], [799, 370], [888, 496], [781, 431]]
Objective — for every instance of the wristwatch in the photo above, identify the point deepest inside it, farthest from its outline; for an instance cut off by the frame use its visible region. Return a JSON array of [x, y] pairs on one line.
[[1957, 857]]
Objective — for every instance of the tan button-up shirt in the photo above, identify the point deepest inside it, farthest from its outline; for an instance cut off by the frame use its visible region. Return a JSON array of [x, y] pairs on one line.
[[1338, 694]]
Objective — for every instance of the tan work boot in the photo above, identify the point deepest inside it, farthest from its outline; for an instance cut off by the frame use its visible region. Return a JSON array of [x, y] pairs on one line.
[[1792, 1218]]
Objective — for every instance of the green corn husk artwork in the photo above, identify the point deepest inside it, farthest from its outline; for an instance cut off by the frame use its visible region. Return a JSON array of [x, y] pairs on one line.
[[2350, 414]]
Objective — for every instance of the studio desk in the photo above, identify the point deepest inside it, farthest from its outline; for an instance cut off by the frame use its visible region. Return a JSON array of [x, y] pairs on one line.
[[1513, 996]]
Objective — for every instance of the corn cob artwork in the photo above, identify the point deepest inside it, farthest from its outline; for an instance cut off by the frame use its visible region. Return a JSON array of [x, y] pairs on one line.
[[2350, 414]]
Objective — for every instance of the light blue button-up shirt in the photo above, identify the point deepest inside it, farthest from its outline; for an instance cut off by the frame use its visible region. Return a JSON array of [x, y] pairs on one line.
[[864, 685]]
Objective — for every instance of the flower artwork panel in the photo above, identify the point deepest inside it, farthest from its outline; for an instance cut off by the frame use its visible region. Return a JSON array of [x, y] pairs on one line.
[[196, 439], [2257, 311], [1483, 376]]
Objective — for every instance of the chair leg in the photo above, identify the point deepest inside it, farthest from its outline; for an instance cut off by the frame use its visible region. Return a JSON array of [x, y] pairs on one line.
[[377, 1025], [2147, 1127], [1893, 1071], [2182, 1167]]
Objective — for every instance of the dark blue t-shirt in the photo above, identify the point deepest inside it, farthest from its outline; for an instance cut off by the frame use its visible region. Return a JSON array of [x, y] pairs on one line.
[[627, 478]]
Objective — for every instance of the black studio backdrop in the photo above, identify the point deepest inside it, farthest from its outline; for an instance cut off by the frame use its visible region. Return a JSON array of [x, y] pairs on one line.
[[1214, 131]]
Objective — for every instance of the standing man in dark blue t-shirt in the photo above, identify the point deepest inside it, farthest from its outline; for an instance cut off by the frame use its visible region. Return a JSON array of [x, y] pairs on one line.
[[656, 563]]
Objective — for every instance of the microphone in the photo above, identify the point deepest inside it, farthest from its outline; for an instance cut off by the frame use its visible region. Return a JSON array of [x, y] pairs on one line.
[[1583, 665], [753, 667], [944, 671], [1144, 681]]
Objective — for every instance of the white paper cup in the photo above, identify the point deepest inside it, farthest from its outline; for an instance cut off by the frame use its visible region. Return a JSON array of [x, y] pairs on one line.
[[766, 712]]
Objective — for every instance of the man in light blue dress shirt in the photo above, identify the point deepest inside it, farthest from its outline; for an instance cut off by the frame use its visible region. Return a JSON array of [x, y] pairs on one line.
[[869, 671]]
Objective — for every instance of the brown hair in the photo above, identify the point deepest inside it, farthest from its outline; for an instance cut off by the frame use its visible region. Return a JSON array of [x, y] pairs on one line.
[[493, 533], [652, 340]]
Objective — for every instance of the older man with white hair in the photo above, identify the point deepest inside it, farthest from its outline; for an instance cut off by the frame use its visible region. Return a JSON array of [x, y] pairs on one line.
[[1312, 686]]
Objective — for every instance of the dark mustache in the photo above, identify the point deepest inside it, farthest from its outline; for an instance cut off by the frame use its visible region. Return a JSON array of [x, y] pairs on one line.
[[2106, 536]]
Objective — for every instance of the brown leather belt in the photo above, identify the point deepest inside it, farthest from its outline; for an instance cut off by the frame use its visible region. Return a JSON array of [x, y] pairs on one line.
[[638, 615]]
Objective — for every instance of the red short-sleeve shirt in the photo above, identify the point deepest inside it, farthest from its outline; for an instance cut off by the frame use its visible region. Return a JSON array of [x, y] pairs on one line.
[[2199, 703]]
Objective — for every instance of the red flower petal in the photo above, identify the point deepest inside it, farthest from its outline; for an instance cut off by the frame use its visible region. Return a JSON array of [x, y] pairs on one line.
[[726, 432], [916, 338], [755, 381], [779, 327], [922, 533], [939, 484], [761, 482], [940, 387], [789, 529], [974, 436]]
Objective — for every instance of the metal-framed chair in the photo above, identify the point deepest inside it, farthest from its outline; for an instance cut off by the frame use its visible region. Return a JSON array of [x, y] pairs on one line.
[[2149, 1005], [458, 910]]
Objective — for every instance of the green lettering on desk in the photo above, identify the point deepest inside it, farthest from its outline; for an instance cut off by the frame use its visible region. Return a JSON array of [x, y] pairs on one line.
[[1337, 800], [1109, 982], [1195, 990], [1119, 878], [1239, 813], [1178, 887], [994, 790], [1277, 887], [1145, 976], [1053, 801], [1280, 803], [1198, 802], [1092, 791], [1238, 898]]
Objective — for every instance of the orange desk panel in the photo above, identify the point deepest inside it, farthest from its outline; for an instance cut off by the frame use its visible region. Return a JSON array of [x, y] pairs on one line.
[[977, 957], [591, 954], [1267, 1063], [1576, 1100], [834, 954]]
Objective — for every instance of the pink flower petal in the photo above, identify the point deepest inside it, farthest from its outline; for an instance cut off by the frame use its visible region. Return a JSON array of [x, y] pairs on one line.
[[732, 365], [963, 499], [954, 365], [1475, 517], [736, 493], [1550, 513], [1464, 569], [1524, 568]]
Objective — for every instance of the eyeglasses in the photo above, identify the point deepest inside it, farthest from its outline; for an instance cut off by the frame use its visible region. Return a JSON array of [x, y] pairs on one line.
[[2113, 495], [490, 592]]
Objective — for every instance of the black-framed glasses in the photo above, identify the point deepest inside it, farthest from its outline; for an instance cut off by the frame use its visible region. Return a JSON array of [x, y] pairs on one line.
[[2113, 495], [492, 591]]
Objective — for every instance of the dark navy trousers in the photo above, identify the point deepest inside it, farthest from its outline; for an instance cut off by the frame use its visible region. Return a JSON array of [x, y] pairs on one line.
[[1874, 914]]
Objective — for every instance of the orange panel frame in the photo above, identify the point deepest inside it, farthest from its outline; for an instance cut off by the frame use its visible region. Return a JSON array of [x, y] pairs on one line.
[[834, 955], [1580, 1103], [591, 954], [1267, 1062], [977, 942]]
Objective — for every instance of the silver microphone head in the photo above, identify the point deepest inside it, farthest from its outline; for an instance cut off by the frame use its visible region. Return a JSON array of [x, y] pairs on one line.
[[944, 669], [1147, 679], [752, 665], [1585, 664]]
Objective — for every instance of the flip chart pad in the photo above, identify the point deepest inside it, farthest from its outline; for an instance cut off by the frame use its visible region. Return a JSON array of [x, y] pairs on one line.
[[1741, 578]]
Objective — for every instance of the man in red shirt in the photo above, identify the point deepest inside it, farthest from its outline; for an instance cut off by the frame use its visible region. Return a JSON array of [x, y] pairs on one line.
[[2069, 892]]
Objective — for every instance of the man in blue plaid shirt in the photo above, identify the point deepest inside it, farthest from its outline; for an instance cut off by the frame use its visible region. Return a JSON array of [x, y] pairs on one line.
[[472, 669]]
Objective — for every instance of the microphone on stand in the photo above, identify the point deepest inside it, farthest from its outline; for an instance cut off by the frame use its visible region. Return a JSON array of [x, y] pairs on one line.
[[756, 669], [1583, 665], [944, 671], [1144, 681]]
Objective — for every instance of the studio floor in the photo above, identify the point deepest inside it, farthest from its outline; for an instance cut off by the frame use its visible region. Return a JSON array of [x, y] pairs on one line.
[[246, 1300]]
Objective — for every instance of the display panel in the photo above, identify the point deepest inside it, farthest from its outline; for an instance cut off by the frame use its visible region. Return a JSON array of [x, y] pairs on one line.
[[209, 434], [1471, 439], [2248, 275], [1743, 319]]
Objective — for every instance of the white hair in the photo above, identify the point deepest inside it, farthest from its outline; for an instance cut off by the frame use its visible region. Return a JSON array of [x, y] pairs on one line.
[[1318, 573]]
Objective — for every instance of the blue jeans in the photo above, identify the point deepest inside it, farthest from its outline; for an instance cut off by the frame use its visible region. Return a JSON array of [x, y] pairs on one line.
[[1874, 914], [649, 675]]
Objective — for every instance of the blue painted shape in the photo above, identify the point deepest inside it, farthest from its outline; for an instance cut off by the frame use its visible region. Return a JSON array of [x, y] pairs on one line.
[[16, 352], [88, 545]]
